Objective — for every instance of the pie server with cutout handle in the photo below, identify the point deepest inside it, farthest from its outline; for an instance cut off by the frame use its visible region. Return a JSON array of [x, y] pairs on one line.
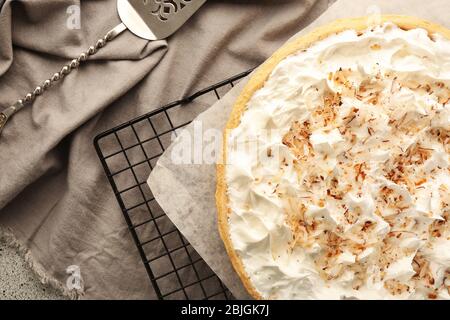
[[148, 19]]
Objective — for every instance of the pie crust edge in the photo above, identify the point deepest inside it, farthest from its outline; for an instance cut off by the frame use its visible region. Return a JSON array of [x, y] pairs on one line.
[[258, 80]]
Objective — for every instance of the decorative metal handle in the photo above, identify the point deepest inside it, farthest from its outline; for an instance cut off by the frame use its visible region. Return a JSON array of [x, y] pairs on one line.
[[6, 114]]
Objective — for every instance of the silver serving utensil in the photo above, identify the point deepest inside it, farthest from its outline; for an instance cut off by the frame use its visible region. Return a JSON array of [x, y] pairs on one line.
[[148, 19]]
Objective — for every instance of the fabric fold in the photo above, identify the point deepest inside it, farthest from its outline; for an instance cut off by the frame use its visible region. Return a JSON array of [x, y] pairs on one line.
[[54, 197]]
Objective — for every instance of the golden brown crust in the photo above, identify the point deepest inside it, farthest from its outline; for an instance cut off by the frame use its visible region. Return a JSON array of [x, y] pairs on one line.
[[257, 81]]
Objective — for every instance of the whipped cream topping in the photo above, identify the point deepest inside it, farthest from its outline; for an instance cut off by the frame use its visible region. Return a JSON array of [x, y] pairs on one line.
[[348, 196]]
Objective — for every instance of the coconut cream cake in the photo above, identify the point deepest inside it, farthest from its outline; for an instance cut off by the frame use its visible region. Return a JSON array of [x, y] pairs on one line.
[[335, 177]]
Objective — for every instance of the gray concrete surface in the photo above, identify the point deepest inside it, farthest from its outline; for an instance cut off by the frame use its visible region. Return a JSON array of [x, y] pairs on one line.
[[17, 281]]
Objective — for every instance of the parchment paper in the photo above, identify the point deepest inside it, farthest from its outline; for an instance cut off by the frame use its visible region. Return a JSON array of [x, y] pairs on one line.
[[192, 207]]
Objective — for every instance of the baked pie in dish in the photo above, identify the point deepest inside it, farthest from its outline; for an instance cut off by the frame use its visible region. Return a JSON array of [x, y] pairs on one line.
[[335, 176]]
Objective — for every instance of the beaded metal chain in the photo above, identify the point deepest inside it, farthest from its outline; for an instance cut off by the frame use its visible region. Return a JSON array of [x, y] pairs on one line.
[[6, 114]]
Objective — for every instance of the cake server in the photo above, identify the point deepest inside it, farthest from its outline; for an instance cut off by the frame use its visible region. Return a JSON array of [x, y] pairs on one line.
[[148, 19]]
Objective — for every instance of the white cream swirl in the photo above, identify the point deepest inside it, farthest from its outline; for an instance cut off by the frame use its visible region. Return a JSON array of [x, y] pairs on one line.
[[338, 173]]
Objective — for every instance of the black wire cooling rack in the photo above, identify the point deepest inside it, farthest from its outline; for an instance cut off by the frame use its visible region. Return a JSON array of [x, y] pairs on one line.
[[128, 154]]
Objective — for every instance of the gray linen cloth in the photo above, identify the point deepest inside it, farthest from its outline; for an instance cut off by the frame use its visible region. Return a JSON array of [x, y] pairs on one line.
[[55, 200]]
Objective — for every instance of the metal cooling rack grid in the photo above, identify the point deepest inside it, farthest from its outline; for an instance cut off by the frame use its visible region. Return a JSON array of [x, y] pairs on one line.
[[128, 154]]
